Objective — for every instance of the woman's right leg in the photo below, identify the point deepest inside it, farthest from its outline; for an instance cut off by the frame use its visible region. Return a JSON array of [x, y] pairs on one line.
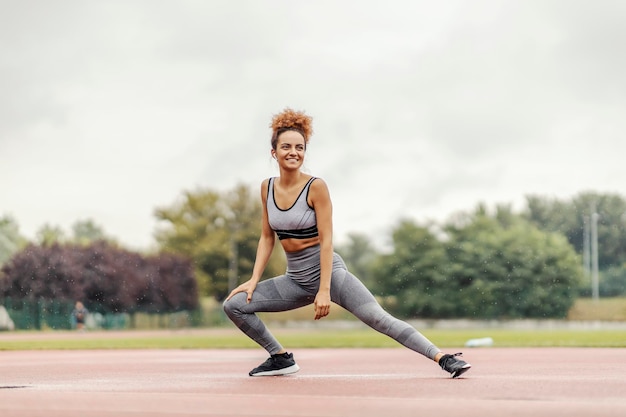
[[272, 295], [350, 293]]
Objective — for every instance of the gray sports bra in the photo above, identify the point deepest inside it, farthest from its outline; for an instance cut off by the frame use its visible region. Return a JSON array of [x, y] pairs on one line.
[[298, 221]]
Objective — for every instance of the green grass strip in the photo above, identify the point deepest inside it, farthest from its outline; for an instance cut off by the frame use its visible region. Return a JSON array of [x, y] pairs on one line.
[[313, 338]]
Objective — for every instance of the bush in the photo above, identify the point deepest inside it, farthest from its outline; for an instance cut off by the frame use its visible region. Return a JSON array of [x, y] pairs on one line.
[[101, 275]]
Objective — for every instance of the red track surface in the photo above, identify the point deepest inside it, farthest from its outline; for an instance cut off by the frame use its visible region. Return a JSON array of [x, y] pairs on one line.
[[332, 382]]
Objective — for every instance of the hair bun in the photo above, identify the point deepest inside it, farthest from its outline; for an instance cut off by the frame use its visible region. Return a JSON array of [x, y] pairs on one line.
[[291, 119]]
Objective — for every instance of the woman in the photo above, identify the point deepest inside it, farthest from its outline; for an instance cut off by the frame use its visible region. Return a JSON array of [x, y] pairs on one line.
[[79, 314], [297, 208]]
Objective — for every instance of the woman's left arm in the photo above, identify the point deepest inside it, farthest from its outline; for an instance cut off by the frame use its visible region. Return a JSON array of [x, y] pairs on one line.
[[320, 200]]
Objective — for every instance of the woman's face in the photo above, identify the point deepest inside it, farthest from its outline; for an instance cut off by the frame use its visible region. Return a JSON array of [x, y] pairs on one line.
[[290, 149]]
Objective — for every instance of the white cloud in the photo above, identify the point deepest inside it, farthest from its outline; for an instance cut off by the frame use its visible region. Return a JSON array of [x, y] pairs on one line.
[[421, 109]]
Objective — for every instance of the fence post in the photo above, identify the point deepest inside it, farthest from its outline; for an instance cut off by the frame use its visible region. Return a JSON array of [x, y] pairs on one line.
[[37, 316]]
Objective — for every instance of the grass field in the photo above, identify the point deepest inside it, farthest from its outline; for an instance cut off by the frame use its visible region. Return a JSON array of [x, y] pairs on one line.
[[609, 310], [311, 338]]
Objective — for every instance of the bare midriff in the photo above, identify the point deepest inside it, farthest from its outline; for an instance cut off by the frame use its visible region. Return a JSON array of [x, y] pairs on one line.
[[295, 245]]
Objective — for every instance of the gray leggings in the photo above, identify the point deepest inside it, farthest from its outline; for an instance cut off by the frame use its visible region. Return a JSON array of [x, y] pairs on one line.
[[298, 287]]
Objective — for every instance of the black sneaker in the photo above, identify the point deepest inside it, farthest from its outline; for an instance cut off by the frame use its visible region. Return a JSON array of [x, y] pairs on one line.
[[456, 367], [279, 364]]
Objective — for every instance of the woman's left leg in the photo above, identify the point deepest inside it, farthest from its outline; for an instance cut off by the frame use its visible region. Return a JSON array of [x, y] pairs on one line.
[[350, 293], [272, 295]]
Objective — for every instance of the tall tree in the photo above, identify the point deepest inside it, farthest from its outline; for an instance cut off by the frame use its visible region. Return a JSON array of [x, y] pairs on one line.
[[49, 234], [413, 271], [359, 255], [87, 231], [481, 266], [569, 217], [219, 231], [11, 241], [510, 271]]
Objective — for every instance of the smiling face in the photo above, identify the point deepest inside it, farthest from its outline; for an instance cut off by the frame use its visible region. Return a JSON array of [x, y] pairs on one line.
[[290, 149]]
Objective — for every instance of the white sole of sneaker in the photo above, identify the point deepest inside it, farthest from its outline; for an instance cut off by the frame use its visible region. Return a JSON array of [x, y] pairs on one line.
[[285, 371]]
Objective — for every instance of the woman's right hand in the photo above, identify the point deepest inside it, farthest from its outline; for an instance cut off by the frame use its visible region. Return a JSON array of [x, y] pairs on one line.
[[247, 287]]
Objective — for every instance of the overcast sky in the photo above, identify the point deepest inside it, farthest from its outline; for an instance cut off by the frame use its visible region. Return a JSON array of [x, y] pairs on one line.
[[109, 109]]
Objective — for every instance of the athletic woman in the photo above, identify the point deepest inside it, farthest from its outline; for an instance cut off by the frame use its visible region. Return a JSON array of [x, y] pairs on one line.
[[297, 208]]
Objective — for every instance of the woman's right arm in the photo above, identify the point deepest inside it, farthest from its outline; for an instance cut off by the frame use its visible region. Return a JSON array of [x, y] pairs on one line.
[[263, 250], [266, 241]]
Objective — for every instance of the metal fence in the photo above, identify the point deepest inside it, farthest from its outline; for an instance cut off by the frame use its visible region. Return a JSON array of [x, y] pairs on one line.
[[57, 315], [39, 314]]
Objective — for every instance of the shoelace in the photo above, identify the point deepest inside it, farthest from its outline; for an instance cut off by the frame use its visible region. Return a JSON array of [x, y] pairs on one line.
[[268, 362], [448, 357]]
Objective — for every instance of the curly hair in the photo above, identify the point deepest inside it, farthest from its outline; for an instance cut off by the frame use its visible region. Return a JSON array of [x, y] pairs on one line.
[[290, 119]]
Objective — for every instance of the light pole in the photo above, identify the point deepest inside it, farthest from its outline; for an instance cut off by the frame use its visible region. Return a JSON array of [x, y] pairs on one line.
[[586, 247], [233, 263], [229, 222], [595, 285]]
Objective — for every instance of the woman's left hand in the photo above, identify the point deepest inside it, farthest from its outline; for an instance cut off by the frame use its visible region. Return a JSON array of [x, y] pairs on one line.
[[322, 304]]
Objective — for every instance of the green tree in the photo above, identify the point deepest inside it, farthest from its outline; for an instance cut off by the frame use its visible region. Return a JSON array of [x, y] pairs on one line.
[[49, 234], [412, 272], [219, 232], [87, 231], [480, 266], [510, 271], [11, 241], [359, 255], [612, 282], [569, 216]]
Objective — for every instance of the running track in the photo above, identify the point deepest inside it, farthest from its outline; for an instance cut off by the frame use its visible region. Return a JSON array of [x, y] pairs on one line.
[[332, 382]]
